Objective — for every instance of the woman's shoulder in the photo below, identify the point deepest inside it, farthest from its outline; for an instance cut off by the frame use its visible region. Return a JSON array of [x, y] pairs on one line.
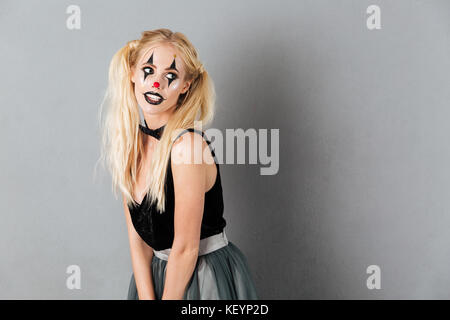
[[188, 133], [188, 143]]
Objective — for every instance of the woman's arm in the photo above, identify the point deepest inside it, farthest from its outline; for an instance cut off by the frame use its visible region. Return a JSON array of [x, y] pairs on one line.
[[189, 185], [141, 257]]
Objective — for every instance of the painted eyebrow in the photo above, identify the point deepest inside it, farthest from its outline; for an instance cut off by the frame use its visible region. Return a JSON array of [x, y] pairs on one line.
[[169, 68], [172, 66]]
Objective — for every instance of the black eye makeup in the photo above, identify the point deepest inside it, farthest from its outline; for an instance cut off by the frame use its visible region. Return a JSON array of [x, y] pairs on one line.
[[147, 71], [171, 76]]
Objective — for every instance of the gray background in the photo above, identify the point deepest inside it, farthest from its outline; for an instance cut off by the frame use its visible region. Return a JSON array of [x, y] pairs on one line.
[[364, 158]]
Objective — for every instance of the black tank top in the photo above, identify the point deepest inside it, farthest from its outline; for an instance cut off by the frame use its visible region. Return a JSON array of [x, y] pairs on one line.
[[157, 229]]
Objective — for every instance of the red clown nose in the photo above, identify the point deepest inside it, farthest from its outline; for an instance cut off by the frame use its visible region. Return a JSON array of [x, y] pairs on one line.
[[156, 84]]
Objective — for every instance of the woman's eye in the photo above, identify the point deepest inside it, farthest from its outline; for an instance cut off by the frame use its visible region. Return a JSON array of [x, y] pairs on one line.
[[148, 70], [171, 76]]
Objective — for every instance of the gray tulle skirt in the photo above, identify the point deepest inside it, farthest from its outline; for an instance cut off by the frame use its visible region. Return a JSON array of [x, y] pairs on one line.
[[219, 275]]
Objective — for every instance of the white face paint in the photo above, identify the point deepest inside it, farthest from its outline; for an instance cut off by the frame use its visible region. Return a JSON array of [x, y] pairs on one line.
[[158, 79]]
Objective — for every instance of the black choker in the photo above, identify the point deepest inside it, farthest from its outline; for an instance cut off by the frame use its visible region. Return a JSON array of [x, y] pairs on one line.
[[152, 132]]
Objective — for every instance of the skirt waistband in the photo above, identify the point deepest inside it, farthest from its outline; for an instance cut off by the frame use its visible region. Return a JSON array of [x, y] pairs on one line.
[[207, 245]]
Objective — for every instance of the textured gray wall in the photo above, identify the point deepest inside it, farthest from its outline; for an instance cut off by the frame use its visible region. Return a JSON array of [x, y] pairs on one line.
[[363, 115]]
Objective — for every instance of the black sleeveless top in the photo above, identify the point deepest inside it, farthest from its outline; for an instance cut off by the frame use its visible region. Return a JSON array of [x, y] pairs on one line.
[[157, 229]]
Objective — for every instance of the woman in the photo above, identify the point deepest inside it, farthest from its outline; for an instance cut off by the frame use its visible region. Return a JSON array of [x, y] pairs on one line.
[[173, 204]]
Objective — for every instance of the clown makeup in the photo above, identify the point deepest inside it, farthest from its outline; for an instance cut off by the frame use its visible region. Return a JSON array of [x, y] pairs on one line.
[[158, 78]]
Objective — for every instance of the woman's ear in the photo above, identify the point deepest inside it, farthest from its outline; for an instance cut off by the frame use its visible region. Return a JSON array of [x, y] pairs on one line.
[[132, 75], [186, 87]]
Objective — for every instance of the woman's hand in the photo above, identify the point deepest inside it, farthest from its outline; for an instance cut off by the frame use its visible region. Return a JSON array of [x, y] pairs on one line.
[[141, 257]]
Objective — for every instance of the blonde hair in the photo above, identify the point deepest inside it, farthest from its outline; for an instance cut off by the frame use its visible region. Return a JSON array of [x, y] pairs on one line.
[[122, 140]]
